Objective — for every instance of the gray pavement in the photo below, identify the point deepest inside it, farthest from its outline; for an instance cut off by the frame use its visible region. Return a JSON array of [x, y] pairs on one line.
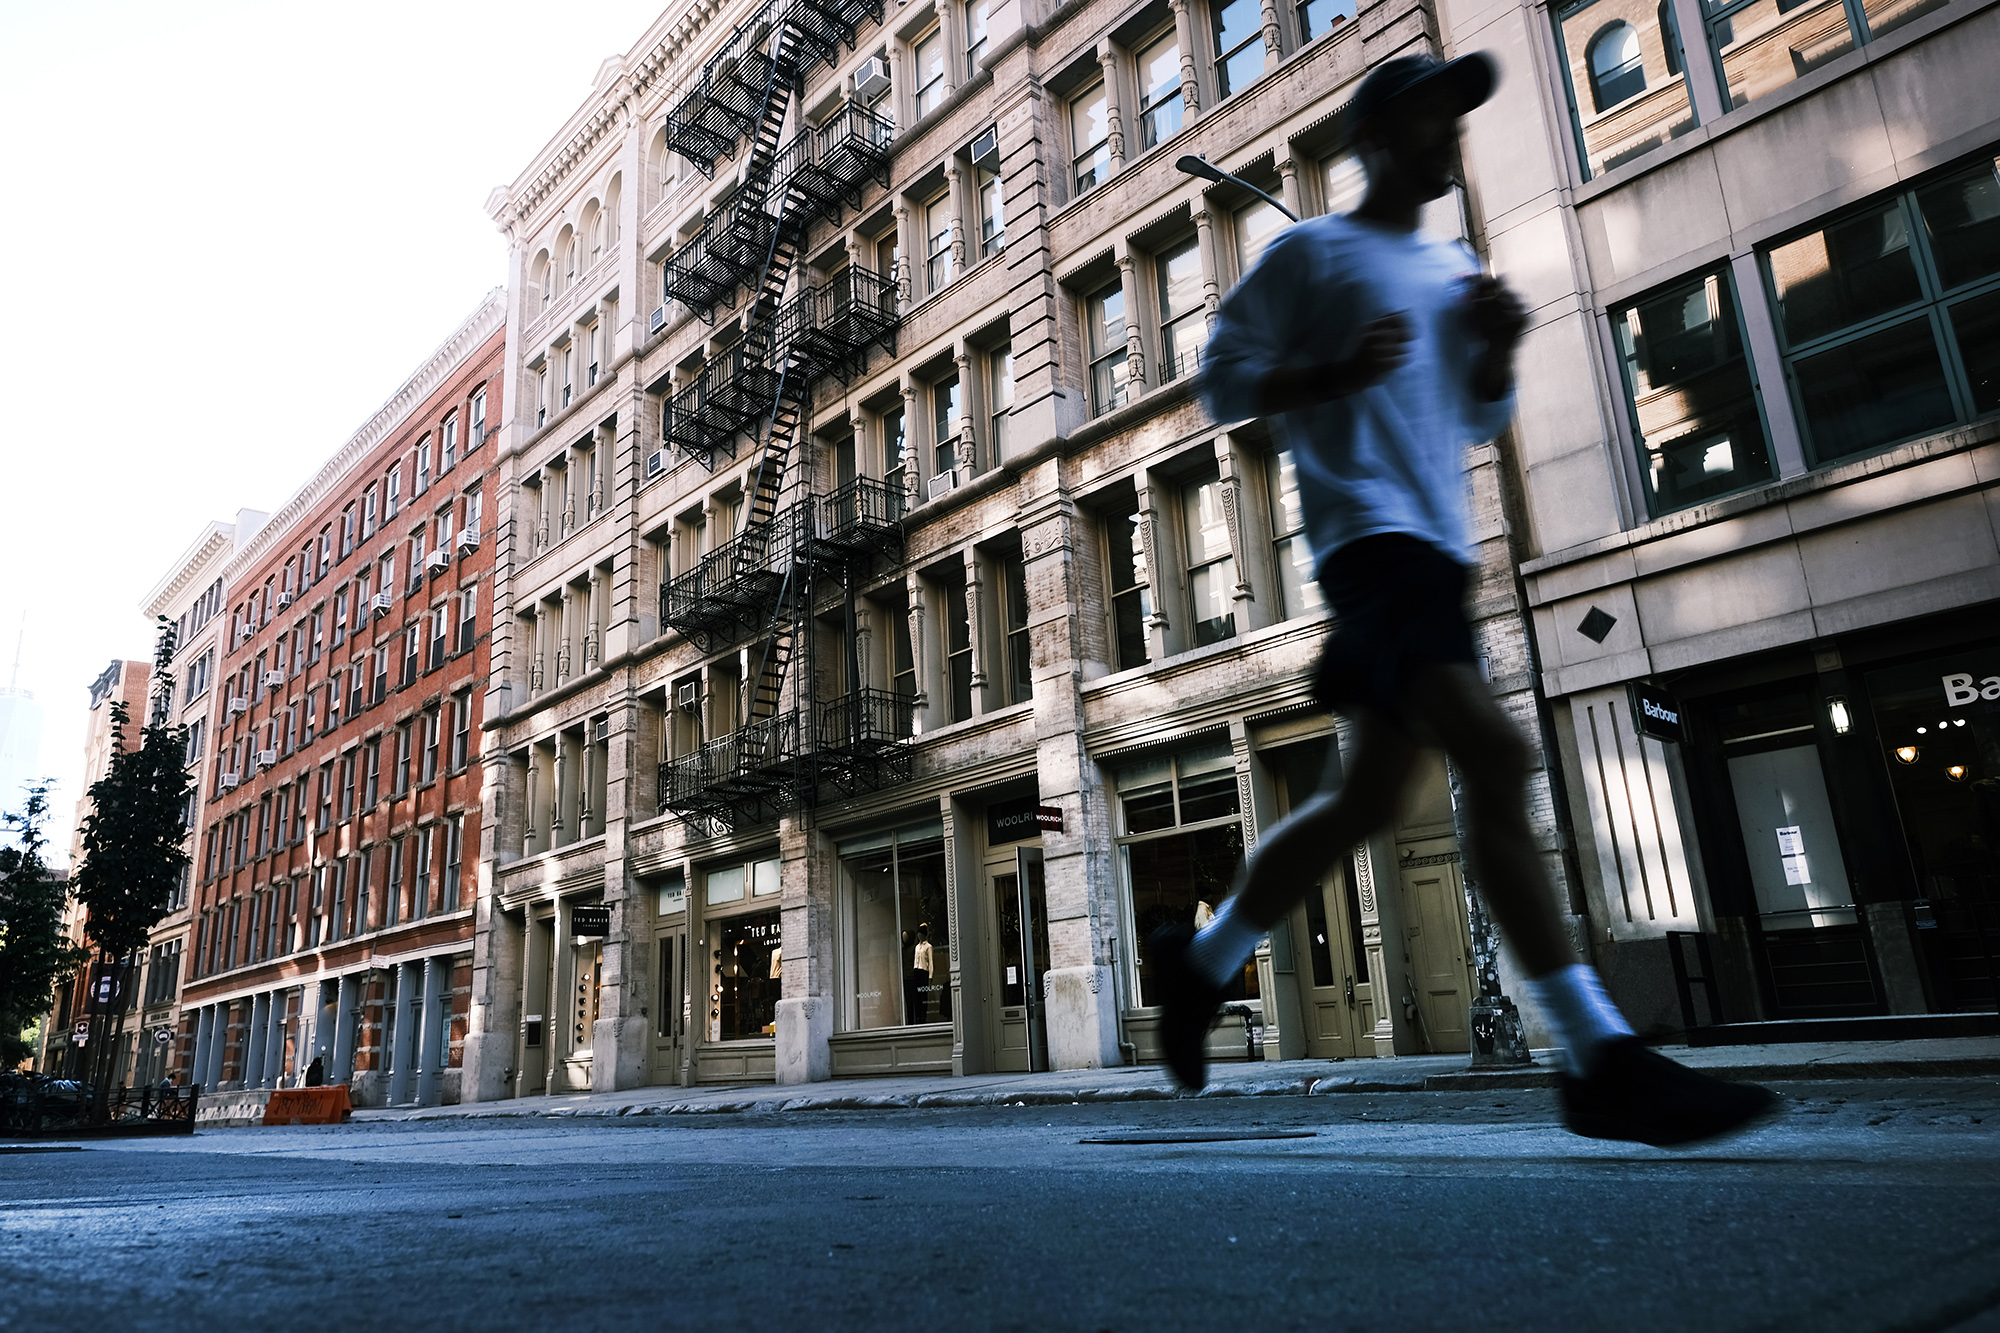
[[1866, 1205], [1945, 1057]]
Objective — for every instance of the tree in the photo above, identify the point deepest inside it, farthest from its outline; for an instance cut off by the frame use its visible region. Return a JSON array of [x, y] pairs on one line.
[[133, 853], [35, 957]]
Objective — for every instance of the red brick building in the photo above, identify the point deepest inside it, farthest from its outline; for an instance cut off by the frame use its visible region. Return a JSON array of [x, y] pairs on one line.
[[338, 868]]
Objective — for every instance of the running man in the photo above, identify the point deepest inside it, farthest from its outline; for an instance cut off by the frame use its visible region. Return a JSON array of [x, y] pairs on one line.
[[1382, 354]]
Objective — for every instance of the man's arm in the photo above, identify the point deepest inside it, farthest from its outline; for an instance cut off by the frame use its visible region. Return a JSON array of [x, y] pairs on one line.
[[1496, 317], [1311, 378]]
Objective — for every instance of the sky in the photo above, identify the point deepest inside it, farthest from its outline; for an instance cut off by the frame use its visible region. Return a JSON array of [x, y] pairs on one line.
[[235, 229]]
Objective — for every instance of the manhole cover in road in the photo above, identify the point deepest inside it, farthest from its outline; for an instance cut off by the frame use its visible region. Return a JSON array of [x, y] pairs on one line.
[[1204, 1136]]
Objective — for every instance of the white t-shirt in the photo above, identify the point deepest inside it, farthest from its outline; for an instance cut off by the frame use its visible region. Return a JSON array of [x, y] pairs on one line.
[[1390, 458]]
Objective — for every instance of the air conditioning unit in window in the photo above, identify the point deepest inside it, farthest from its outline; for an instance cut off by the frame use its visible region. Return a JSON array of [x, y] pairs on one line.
[[284, 600], [657, 320], [687, 697], [238, 706], [267, 759], [229, 782], [247, 633], [656, 462], [468, 541], [940, 484], [600, 729], [985, 151], [440, 560], [871, 78], [274, 680], [382, 604]]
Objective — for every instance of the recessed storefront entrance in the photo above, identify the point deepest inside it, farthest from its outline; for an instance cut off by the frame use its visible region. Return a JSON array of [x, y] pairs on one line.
[[1021, 936]]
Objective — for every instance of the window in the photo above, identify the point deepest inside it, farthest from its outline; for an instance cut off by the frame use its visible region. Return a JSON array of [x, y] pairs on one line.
[[412, 639], [937, 242], [1889, 317], [387, 569], [745, 974], [402, 771], [340, 617], [1211, 569], [347, 532], [1180, 843], [1131, 589], [440, 623], [454, 854], [1298, 591], [1104, 317], [380, 689], [347, 767], [1183, 313], [1159, 68], [977, 14], [1239, 44], [299, 809], [420, 891], [999, 398], [325, 561], [416, 560], [1762, 45], [1690, 393], [318, 634], [468, 619], [903, 661], [1257, 225], [430, 769], [898, 968], [895, 450], [590, 339], [423, 468], [1627, 91], [357, 687], [461, 730], [371, 783], [392, 493], [449, 442], [1321, 16], [478, 435], [1089, 138], [325, 820], [1019, 658], [568, 373], [927, 59], [368, 513], [992, 215], [957, 643], [361, 600], [541, 395], [364, 876], [392, 886], [944, 424]]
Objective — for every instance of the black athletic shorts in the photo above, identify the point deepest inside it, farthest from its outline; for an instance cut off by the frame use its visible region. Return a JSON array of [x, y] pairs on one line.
[[1397, 601]]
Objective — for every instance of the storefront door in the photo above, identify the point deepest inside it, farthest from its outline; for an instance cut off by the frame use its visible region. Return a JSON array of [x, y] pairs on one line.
[[1440, 974], [533, 1057], [670, 1017], [1021, 932], [1334, 992]]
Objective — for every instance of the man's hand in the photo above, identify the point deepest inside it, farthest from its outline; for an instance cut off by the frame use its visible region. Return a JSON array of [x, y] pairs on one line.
[[1384, 345], [1497, 318], [1495, 314]]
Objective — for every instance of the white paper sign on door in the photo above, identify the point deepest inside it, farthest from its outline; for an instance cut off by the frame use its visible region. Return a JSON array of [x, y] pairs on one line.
[[1792, 851]]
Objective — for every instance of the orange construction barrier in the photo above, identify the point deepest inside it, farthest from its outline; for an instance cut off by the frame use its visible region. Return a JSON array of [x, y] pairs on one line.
[[308, 1106]]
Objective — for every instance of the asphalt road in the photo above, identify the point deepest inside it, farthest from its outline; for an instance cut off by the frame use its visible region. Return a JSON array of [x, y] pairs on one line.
[[1866, 1206]]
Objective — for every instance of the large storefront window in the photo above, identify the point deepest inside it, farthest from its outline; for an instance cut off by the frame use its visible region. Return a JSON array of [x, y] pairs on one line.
[[747, 963], [1182, 845], [1939, 723], [899, 928]]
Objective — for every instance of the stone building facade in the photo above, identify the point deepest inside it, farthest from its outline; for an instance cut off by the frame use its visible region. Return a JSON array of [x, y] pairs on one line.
[[192, 597], [886, 639], [1758, 450], [337, 866]]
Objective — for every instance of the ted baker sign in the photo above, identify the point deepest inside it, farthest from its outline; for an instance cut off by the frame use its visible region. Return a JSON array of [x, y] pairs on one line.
[[1960, 689]]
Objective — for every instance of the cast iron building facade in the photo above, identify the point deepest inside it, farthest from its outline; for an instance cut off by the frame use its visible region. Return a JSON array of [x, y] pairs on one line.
[[1757, 447], [886, 639], [337, 868]]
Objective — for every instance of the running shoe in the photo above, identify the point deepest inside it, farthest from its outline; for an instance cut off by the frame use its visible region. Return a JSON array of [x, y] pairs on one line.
[[1188, 1005], [1639, 1095]]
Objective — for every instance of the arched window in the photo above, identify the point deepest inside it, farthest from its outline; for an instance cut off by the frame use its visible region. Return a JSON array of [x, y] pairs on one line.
[[613, 197], [539, 278], [593, 234], [1615, 72]]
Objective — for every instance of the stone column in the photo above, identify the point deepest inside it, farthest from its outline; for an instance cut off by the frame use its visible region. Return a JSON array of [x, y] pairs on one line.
[[966, 451], [274, 1039], [1211, 287], [913, 482], [1114, 115], [403, 1048], [565, 664], [432, 1050], [1288, 186], [1157, 623], [1135, 343], [204, 1038], [218, 1049], [926, 676], [905, 292], [805, 1013], [1231, 468], [975, 625], [347, 1000], [1184, 35], [955, 189], [253, 1055], [1274, 40]]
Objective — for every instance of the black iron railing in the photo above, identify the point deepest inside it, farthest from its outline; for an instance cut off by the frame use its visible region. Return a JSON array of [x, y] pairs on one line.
[[729, 398], [31, 1104], [864, 517], [829, 329], [749, 776]]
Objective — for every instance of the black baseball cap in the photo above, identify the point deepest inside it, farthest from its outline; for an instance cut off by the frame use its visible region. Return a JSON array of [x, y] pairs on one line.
[[1458, 85]]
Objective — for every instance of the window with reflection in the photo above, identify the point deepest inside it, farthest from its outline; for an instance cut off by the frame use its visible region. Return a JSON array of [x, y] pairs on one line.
[[1131, 596], [927, 59], [1239, 44], [1628, 89], [1889, 316], [898, 955], [1690, 392], [1257, 225], [1180, 845], [1319, 17], [1159, 68], [1183, 313], [1089, 138], [1104, 328], [1211, 566], [1762, 45], [1298, 591]]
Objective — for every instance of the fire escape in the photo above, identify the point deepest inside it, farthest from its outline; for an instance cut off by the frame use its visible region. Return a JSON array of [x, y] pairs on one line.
[[798, 551]]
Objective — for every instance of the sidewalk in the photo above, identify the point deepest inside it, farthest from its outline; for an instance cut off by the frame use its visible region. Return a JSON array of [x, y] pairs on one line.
[[1958, 1057]]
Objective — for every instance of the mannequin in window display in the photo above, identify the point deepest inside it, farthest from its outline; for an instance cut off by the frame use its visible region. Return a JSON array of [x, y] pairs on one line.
[[920, 975]]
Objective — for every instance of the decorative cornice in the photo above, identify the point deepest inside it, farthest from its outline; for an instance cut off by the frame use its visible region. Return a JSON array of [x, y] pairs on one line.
[[489, 319], [193, 562], [615, 94]]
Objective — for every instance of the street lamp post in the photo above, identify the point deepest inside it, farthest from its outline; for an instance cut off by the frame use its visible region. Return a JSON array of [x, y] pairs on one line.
[[1208, 171]]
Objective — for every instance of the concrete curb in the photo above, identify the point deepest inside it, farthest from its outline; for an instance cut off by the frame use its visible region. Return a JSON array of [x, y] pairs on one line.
[[1539, 1076]]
